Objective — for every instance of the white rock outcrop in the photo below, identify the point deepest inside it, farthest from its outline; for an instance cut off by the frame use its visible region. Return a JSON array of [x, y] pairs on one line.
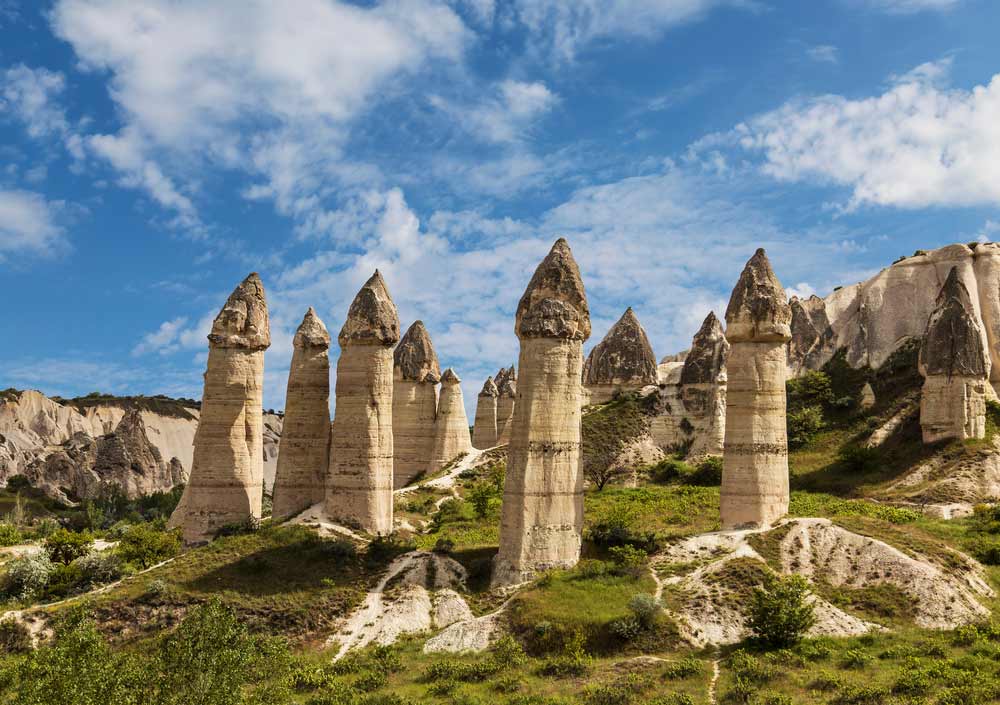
[[451, 427], [227, 471], [359, 482], [300, 477], [414, 404], [484, 429], [541, 519], [755, 456]]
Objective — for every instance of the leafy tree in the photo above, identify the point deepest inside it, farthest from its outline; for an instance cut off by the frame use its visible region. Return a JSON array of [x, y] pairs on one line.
[[803, 424], [65, 546], [27, 576], [143, 546], [780, 613], [9, 535]]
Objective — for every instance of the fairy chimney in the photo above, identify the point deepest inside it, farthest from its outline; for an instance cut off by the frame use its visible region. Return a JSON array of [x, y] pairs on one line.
[[451, 427], [414, 404], [484, 430], [622, 362]]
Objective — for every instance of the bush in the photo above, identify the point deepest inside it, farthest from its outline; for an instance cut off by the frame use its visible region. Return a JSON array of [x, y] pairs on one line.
[[144, 546], [645, 609], [485, 498], [9, 535], [780, 614], [99, 568], [810, 389], [685, 668], [707, 472], [855, 658], [64, 546], [858, 459], [14, 637], [803, 424], [668, 470], [28, 576], [628, 559]]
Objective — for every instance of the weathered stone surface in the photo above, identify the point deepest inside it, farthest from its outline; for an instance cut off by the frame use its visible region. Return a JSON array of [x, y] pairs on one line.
[[542, 516], [451, 427], [955, 368], [622, 362], [227, 471], [755, 457], [359, 483], [305, 445], [505, 408], [867, 400], [414, 404], [484, 430]]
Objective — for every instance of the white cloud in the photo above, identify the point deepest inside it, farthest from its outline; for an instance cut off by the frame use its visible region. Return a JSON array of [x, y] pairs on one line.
[[32, 96], [505, 115], [989, 232], [906, 7], [919, 144], [163, 340], [824, 54], [28, 223]]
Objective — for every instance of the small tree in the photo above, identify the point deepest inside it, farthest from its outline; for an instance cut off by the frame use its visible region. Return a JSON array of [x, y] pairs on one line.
[[65, 546], [143, 546], [780, 613]]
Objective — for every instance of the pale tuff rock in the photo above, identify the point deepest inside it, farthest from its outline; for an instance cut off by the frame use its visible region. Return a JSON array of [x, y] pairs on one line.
[[542, 515], [484, 429], [414, 404], [755, 470], [504, 374], [867, 400], [451, 427], [305, 445], [359, 482], [622, 362], [227, 472], [505, 408], [955, 368], [872, 319]]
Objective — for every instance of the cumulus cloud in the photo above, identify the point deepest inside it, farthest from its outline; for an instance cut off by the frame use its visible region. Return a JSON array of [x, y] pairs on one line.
[[163, 340], [919, 144], [29, 224]]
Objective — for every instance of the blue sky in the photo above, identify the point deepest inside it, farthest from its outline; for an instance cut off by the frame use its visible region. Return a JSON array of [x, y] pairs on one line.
[[152, 153]]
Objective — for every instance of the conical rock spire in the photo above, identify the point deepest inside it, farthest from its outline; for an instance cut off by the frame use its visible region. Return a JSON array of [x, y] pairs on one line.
[[489, 388], [312, 332], [372, 318], [414, 357], [953, 343], [623, 357], [758, 308], [555, 304], [243, 320], [707, 356]]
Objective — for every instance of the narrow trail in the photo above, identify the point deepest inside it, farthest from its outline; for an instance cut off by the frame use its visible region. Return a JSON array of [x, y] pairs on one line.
[[448, 480], [712, 699]]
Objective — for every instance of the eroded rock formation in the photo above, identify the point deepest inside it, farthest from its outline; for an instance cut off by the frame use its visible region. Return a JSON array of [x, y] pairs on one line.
[[954, 366], [227, 471], [414, 404], [622, 362], [484, 430], [359, 483], [542, 515], [755, 457], [505, 407], [451, 427], [305, 446]]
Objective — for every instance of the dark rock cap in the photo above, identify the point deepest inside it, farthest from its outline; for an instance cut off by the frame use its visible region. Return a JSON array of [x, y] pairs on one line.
[[758, 309], [243, 321], [509, 388], [624, 356], [489, 388], [450, 377], [707, 357], [953, 343], [312, 333], [415, 357], [372, 318], [555, 304]]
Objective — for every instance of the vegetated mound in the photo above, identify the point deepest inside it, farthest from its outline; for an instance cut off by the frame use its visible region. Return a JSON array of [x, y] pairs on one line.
[[158, 404], [859, 583], [616, 438]]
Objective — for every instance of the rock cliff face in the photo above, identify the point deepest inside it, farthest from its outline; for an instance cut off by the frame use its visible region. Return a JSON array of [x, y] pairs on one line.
[[227, 471], [622, 362], [542, 516], [955, 368], [414, 403], [484, 430], [359, 482], [451, 427], [305, 452], [755, 457]]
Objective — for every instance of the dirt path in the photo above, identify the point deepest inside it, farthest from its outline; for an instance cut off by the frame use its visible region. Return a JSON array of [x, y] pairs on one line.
[[448, 480], [712, 699]]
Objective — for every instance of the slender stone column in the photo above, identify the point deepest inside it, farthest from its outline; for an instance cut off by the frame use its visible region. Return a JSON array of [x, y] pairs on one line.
[[484, 430], [414, 404], [505, 409], [755, 457], [451, 428], [542, 516], [703, 388], [304, 452], [955, 368], [227, 470], [359, 484]]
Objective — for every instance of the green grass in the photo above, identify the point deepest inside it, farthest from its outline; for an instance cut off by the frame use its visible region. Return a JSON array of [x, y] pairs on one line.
[[667, 511]]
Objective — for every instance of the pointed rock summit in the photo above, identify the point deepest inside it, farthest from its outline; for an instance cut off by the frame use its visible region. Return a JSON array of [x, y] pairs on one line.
[[955, 367], [414, 404], [484, 430], [359, 481], [755, 458], [305, 436], [227, 471], [451, 427], [541, 520], [703, 383], [505, 405], [622, 362]]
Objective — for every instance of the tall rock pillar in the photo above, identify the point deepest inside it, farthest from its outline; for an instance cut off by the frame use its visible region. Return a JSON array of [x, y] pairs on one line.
[[451, 428], [359, 483], [505, 407], [755, 457], [226, 482], [703, 388], [542, 516], [484, 430], [956, 370], [414, 404], [305, 433]]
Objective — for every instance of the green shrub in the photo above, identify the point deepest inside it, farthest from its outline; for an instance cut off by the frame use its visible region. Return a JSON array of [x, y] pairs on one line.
[[859, 459], [855, 658], [749, 668], [14, 637], [27, 576], [668, 470], [66, 579], [64, 546], [628, 559], [685, 668], [803, 424], [485, 498], [100, 567], [810, 389], [707, 472], [10, 535], [144, 546], [780, 615], [614, 528], [645, 609]]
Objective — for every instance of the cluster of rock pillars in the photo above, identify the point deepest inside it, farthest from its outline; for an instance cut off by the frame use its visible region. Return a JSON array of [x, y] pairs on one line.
[[391, 424]]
